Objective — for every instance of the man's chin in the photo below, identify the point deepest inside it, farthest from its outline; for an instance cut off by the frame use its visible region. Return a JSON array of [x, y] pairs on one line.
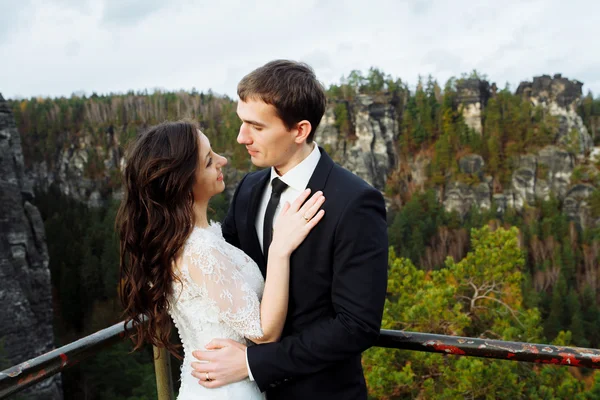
[[258, 163]]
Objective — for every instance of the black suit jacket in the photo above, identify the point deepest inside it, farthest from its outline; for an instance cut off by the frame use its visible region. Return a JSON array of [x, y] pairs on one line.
[[338, 278]]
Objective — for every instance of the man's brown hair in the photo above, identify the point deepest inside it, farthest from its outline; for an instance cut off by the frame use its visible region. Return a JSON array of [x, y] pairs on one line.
[[289, 86]]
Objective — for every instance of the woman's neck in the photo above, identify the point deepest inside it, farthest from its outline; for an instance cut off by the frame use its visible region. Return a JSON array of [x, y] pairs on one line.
[[200, 214]]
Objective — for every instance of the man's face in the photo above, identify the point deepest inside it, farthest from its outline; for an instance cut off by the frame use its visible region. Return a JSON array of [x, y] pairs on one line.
[[268, 141]]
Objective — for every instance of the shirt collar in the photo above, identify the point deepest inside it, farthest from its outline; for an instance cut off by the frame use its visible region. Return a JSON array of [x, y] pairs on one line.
[[298, 177]]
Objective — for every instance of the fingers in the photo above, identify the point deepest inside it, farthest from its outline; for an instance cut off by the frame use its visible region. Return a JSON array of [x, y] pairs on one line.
[[309, 210], [211, 384], [299, 200], [217, 344], [315, 198], [201, 368], [315, 220], [213, 380], [204, 355], [286, 207]]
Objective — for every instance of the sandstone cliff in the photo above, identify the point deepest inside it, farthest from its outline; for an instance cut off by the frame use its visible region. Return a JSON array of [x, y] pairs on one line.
[[25, 291]]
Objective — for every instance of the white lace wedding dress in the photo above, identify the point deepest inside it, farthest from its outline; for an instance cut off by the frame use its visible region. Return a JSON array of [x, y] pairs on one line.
[[218, 297]]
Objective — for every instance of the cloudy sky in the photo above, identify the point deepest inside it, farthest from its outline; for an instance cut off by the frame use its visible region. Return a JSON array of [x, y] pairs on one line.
[[57, 47]]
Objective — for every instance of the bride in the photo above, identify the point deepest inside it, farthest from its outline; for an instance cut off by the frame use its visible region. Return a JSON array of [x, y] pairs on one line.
[[176, 265]]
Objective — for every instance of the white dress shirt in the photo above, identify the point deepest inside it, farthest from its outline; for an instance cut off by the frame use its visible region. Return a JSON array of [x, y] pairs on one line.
[[297, 179]]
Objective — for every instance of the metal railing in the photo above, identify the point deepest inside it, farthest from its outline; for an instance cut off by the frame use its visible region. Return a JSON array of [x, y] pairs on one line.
[[487, 348], [22, 376], [28, 373]]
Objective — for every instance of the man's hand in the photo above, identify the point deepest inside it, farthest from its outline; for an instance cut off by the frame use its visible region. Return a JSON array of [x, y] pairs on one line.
[[225, 363]]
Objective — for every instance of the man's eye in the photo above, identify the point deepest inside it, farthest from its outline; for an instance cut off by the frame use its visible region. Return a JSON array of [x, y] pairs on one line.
[[258, 128]]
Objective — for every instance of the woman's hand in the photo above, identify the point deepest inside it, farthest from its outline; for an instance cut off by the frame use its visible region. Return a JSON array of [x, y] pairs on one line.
[[294, 223]]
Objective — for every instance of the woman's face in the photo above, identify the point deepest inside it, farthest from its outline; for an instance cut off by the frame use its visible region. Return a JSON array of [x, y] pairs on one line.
[[209, 177]]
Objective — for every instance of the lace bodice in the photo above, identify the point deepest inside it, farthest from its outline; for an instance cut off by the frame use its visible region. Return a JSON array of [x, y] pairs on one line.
[[218, 296]]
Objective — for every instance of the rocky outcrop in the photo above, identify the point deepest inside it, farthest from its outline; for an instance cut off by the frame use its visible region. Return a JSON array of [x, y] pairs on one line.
[[473, 95], [523, 181], [556, 166], [542, 175], [461, 197], [365, 143], [472, 164], [25, 291], [370, 150], [594, 128], [561, 97], [69, 170], [576, 205], [535, 177]]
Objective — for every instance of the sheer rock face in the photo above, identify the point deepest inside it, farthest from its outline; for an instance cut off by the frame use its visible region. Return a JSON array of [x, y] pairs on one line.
[[370, 150], [473, 95], [367, 147], [472, 164], [69, 170], [460, 197], [25, 289], [576, 205], [560, 97], [536, 177]]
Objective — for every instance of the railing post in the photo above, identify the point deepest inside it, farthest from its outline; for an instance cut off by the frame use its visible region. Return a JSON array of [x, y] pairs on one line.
[[162, 370]]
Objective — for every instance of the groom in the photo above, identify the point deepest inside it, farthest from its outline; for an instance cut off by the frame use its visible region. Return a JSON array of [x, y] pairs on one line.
[[338, 275]]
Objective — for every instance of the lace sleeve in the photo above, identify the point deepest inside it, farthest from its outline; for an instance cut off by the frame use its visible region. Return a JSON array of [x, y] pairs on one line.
[[221, 281]]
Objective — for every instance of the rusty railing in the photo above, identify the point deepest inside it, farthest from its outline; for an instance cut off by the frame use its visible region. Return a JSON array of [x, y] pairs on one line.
[[21, 376]]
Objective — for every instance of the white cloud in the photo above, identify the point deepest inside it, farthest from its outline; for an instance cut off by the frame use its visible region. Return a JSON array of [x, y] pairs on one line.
[[58, 47]]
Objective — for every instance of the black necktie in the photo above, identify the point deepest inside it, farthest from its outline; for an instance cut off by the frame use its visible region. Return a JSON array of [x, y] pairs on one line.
[[278, 186]]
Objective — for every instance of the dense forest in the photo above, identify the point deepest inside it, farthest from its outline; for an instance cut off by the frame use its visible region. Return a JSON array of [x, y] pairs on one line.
[[539, 269]]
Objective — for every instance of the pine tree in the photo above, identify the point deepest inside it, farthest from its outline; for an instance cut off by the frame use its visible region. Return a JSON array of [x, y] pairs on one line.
[[557, 319], [591, 316], [576, 326]]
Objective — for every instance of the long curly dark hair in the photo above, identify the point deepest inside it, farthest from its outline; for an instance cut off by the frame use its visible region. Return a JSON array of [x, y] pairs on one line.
[[154, 220]]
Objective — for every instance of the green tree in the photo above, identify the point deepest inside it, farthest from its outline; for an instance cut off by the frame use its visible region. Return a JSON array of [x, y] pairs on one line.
[[480, 295], [591, 316], [576, 326], [557, 320]]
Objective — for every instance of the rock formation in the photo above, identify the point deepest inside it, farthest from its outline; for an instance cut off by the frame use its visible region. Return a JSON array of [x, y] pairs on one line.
[[25, 291], [367, 146], [68, 172], [473, 95], [560, 96], [370, 152], [535, 176]]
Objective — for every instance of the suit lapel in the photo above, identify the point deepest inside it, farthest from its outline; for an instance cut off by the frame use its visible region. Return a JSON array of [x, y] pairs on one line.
[[255, 196], [317, 182], [319, 177]]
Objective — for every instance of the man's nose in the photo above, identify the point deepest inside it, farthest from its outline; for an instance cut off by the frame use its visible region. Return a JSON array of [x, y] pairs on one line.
[[243, 137]]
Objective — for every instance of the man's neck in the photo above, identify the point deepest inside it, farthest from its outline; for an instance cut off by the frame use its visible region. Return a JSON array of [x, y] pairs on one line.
[[296, 159]]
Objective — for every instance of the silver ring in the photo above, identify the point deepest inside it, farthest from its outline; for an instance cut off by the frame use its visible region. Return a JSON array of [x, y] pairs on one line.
[[207, 377]]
